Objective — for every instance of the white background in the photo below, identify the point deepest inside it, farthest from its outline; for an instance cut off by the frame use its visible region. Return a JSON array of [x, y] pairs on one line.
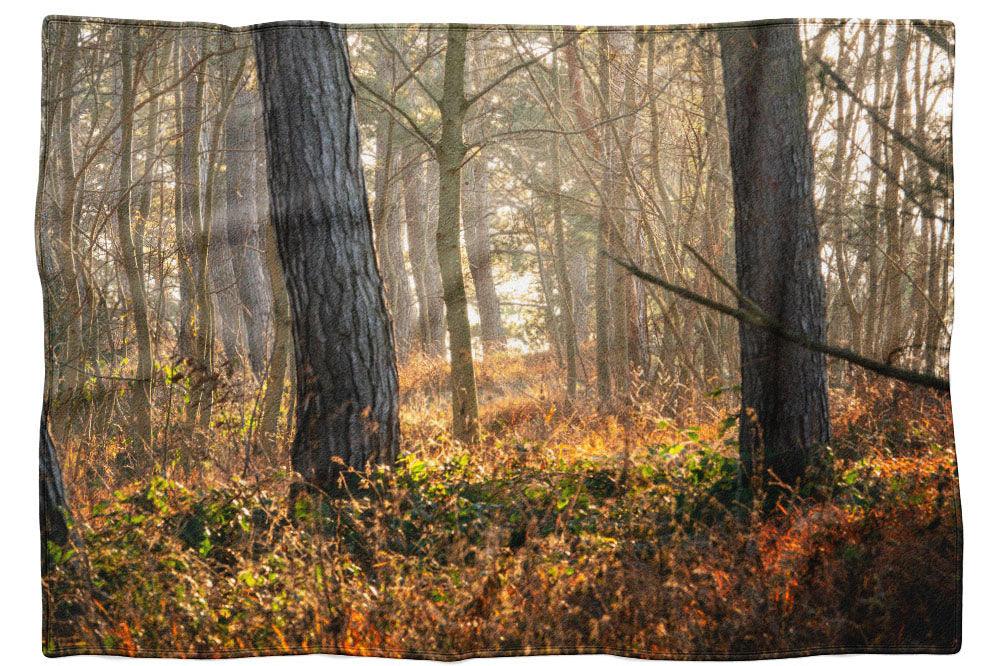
[[976, 348]]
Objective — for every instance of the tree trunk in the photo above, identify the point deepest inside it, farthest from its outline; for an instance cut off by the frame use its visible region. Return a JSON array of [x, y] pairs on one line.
[[389, 236], [141, 388], [414, 211], [281, 318], [567, 313], [475, 224], [52, 494], [891, 221], [191, 337], [347, 407], [205, 238], [602, 270], [784, 386], [243, 227], [65, 244], [450, 154], [185, 278], [426, 269], [875, 150]]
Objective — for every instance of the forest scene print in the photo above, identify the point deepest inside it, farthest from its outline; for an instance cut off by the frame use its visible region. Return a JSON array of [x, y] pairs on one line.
[[444, 341]]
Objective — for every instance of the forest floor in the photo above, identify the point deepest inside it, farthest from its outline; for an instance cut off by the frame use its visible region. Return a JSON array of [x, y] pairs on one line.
[[561, 531]]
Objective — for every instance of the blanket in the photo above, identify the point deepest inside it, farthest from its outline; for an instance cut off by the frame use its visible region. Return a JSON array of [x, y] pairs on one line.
[[445, 341]]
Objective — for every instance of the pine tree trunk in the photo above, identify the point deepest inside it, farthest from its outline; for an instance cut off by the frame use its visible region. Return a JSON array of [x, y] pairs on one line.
[[346, 411], [777, 248]]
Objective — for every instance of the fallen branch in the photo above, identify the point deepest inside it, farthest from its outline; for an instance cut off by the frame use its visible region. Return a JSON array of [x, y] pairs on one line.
[[757, 317]]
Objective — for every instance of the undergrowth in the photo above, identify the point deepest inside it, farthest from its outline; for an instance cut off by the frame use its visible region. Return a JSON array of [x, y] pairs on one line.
[[564, 529]]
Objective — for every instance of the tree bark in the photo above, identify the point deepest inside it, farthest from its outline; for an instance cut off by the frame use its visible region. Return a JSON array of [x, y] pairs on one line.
[[389, 236], [475, 224], [892, 305], [450, 153], [52, 493], [347, 407], [243, 227], [784, 386], [140, 390], [194, 320], [415, 211], [567, 313]]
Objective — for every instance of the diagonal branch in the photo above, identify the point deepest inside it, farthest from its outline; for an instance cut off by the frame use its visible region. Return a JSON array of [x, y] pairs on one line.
[[757, 317], [390, 106], [936, 37], [411, 72]]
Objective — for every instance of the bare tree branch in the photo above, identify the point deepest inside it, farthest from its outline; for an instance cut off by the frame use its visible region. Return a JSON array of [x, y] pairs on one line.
[[757, 317], [514, 70], [389, 105]]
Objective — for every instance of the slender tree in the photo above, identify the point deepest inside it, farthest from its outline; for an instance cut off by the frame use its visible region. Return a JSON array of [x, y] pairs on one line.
[[242, 224], [142, 386]]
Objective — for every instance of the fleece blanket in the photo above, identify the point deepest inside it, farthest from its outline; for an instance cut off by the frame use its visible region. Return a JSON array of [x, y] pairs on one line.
[[442, 341]]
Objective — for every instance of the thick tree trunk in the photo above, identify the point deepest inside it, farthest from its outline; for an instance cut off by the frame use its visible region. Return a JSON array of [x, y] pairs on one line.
[[777, 248], [450, 153], [347, 408]]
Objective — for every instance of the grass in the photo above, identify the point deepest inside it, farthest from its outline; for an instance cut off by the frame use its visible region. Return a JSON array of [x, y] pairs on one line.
[[564, 530]]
